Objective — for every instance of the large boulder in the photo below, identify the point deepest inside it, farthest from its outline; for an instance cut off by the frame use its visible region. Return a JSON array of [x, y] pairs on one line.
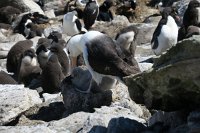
[[16, 99], [174, 81], [76, 101], [23, 5]]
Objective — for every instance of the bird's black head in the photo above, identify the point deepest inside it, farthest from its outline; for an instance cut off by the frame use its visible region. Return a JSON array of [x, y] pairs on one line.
[[133, 4], [108, 3], [55, 36], [194, 4], [56, 48], [41, 48], [30, 53]]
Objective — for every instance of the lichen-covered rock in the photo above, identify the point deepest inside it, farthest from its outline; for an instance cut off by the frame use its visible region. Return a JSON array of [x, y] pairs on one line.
[[15, 99], [174, 81]]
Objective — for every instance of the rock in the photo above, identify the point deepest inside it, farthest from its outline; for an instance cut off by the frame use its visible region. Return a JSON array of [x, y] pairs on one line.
[[16, 37], [52, 97], [85, 122], [113, 27], [125, 125], [16, 99], [75, 101], [4, 49], [145, 32], [170, 119], [23, 5], [50, 13], [81, 122], [174, 81], [55, 27]]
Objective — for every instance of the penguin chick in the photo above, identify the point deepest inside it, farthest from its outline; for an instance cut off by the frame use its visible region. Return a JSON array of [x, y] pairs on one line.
[[63, 58], [29, 67], [14, 55], [52, 75]]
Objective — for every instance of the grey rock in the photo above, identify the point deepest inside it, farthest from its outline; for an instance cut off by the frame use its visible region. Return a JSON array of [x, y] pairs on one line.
[[75, 101], [113, 27], [23, 5], [99, 120], [16, 99], [125, 125], [50, 13], [174, 81], [16, 37], [52, 97]]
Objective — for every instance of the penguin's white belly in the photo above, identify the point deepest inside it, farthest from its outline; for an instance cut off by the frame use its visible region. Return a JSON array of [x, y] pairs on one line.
[[166, 40], [70, 28]]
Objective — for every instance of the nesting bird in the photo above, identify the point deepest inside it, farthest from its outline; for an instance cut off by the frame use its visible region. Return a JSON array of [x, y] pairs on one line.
[[71, 24], [165, 35], [90, 13]]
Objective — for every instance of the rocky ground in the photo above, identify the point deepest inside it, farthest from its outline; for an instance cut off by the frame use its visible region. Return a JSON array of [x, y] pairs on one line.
[[163, 98]]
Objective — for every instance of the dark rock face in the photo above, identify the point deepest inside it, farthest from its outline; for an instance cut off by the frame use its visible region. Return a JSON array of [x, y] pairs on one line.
[[174, 81]]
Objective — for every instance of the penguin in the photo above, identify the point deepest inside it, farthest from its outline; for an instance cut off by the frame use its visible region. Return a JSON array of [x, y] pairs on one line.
[[14, 55], [63, 58], [21, 27], [192, 14], [34, 30], [90, 13], [71, 24], [102, 59], [38, 18], [104, 11], [42, 51], [55, 36], [126, 44], [29, 68], [165, 35], [130, 3], [126, 39], [74, 49], [8, 14], [80, 3], [52, 75], [5, 78]]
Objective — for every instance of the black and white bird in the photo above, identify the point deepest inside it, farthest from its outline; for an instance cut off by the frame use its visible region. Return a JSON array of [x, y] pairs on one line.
[[130, 3], [126, 40], [105, 13], [90, 13], [28, 68], [42, 51], [191, 18], [71, 24], [14, 55], [192, 14], [63, 58], [165, 35], [81, 3], [74, 48], [52, 75], [102, 58]]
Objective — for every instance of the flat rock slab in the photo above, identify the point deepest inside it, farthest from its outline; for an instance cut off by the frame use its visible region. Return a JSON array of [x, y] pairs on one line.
[[15, 99]]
